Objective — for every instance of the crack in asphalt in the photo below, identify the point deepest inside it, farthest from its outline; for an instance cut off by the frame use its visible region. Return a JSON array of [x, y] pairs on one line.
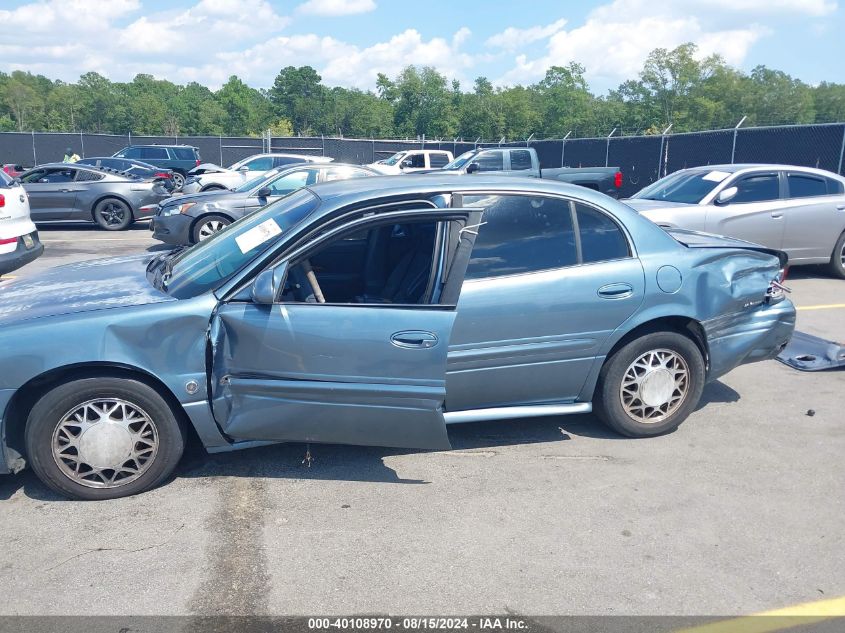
[[237, 581]]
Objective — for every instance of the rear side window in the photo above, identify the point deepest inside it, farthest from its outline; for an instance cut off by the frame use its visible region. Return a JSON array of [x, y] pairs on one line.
[[834, 186], [601, 237], [758, 188], [184, 153], [490, 161], [438, 159], [83, 175], [153, 153], [805, 186], [520, 159], [5, 179], [521, 234]]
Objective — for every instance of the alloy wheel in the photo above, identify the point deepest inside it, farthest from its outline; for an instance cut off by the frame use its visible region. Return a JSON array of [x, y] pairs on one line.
[[209, 228], [113, 213], [654, 386], [105, 443]]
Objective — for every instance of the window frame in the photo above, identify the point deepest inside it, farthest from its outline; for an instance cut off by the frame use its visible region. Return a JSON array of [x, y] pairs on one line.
[[734, 182], [803, 174], [457, 200]]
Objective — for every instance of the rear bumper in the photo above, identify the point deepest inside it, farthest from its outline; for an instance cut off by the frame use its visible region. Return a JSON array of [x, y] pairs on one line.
[[748, 336], [172, 229], [22, 254]]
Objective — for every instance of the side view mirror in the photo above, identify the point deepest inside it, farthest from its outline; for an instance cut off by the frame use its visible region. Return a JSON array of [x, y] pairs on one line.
[[472, 168], [406, 163], [268, 283], [264, 192], [243, 168], [726, 195]]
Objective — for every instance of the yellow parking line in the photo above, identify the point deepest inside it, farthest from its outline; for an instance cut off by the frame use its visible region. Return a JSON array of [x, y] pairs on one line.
[[829, 306], [777, 619]]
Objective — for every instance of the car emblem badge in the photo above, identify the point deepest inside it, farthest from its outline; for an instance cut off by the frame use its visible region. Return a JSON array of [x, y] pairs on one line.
[[23, 198]]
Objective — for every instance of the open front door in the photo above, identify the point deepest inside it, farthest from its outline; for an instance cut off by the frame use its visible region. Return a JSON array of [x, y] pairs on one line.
[[367, 370]]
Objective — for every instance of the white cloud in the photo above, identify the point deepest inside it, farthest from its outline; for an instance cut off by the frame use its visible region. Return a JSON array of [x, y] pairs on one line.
[[513, 38], [336, 7]]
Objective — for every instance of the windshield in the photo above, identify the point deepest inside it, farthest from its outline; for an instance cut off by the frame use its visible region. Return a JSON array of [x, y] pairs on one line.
[[686, 187], [251, 184], [394, 159], [210, 262], [461, 160]]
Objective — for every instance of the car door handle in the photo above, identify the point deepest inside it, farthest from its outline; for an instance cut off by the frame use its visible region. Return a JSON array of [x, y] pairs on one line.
[[616, 291], [840, 207], [65, 190], [777, 214], [414, 339]]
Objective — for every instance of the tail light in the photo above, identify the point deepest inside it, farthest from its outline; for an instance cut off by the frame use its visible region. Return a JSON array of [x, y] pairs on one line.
[[2, 200], [776, 289], [198, 162], [161, 174], [617, 180], [10, 240]]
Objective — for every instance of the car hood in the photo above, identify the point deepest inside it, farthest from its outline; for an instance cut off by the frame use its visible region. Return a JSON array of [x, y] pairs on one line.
[[210, 168], [202, 196], [97, 284], [641, 204]]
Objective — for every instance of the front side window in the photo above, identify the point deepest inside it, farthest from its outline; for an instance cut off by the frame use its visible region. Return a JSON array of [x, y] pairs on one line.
[[490, 161], [293, 181], [130, 152], [56, 174], [260, 164], [521, 234], [279, 161], [520, 159], [417, 161], [395, 159], [757, 188], [344, 173], [805, 186]]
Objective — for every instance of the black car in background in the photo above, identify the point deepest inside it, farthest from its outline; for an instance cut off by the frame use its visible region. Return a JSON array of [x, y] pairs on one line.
[[64, 192], [179, 158], [129, 166]]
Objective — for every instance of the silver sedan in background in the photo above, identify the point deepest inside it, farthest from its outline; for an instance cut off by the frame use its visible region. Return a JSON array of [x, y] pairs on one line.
[[798, 210]]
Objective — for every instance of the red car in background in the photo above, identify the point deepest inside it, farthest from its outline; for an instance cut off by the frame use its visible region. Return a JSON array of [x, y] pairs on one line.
[[13, 170]]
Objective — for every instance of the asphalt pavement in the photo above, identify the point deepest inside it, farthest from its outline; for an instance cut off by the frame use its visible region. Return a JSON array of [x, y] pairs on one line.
[[741, 510]]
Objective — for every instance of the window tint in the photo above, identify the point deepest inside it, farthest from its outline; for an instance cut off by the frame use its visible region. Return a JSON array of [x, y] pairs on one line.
[[490, 161], [83, 175], [834, 186], [438, 159], [278, 161], [802, 186], [132, 152], [601, 237], [292, 182], [417, 161], [184, 153], [757, 189], [260, 164], [521, 234], [342, 173], [520, 159], [154, 153], [58, 174]]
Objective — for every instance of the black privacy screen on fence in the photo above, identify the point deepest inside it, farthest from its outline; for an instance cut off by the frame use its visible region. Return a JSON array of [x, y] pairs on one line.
[[642, 159]]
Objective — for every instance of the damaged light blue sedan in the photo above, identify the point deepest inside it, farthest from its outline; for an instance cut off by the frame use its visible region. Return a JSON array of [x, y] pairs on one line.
[[376, 312]]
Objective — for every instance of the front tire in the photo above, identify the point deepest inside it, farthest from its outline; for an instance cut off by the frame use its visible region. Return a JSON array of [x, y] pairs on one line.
[[208, 225], [112, 214], [650, 385], [103, 438], [837, 259], [178, 179]]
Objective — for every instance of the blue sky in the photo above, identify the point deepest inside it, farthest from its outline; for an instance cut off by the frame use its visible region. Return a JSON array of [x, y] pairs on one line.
[[349, 41]]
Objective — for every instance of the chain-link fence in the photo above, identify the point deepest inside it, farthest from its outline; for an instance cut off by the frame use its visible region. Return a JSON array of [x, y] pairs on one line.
[[642, 159]]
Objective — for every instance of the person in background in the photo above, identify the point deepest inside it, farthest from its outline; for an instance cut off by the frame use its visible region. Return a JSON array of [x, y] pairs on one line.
[[70, 156]]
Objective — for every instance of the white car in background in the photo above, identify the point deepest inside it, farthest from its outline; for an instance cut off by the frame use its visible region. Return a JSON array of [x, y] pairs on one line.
[[208, 176], [19, 243], [411, 160]]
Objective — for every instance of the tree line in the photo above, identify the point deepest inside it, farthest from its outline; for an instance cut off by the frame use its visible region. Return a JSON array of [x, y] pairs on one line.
[[676, 87]]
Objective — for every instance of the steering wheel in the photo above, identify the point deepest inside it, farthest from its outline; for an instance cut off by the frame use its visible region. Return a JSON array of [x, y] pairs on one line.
[[312, 280]]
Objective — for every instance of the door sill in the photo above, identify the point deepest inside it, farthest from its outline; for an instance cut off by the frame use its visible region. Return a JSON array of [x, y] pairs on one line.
[[508, 413]]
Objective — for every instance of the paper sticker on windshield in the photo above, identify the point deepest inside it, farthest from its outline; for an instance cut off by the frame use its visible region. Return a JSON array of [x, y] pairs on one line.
[[257, 235], [716, 176]]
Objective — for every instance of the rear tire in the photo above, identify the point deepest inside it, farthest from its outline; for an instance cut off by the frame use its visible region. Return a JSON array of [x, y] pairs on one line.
[[208, 225], [650, 385], [103, 438], [112, 214], [836, 267], [178, 179]]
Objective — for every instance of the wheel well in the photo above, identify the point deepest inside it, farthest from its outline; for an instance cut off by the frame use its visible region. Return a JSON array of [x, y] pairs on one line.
[[685, 326], [212, 187], [26, 396], [111, 196]]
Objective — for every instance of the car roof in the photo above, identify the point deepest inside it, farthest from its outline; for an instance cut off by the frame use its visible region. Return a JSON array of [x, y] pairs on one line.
[[739, 167]]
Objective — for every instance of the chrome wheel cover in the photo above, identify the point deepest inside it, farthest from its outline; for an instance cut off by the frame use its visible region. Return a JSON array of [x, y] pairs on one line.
[[209, 228], [178, 179], [654, 386], [842, 256], [105, 443]]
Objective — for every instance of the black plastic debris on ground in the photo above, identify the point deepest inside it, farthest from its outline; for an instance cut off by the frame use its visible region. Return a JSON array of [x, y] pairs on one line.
[[806, 352]]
